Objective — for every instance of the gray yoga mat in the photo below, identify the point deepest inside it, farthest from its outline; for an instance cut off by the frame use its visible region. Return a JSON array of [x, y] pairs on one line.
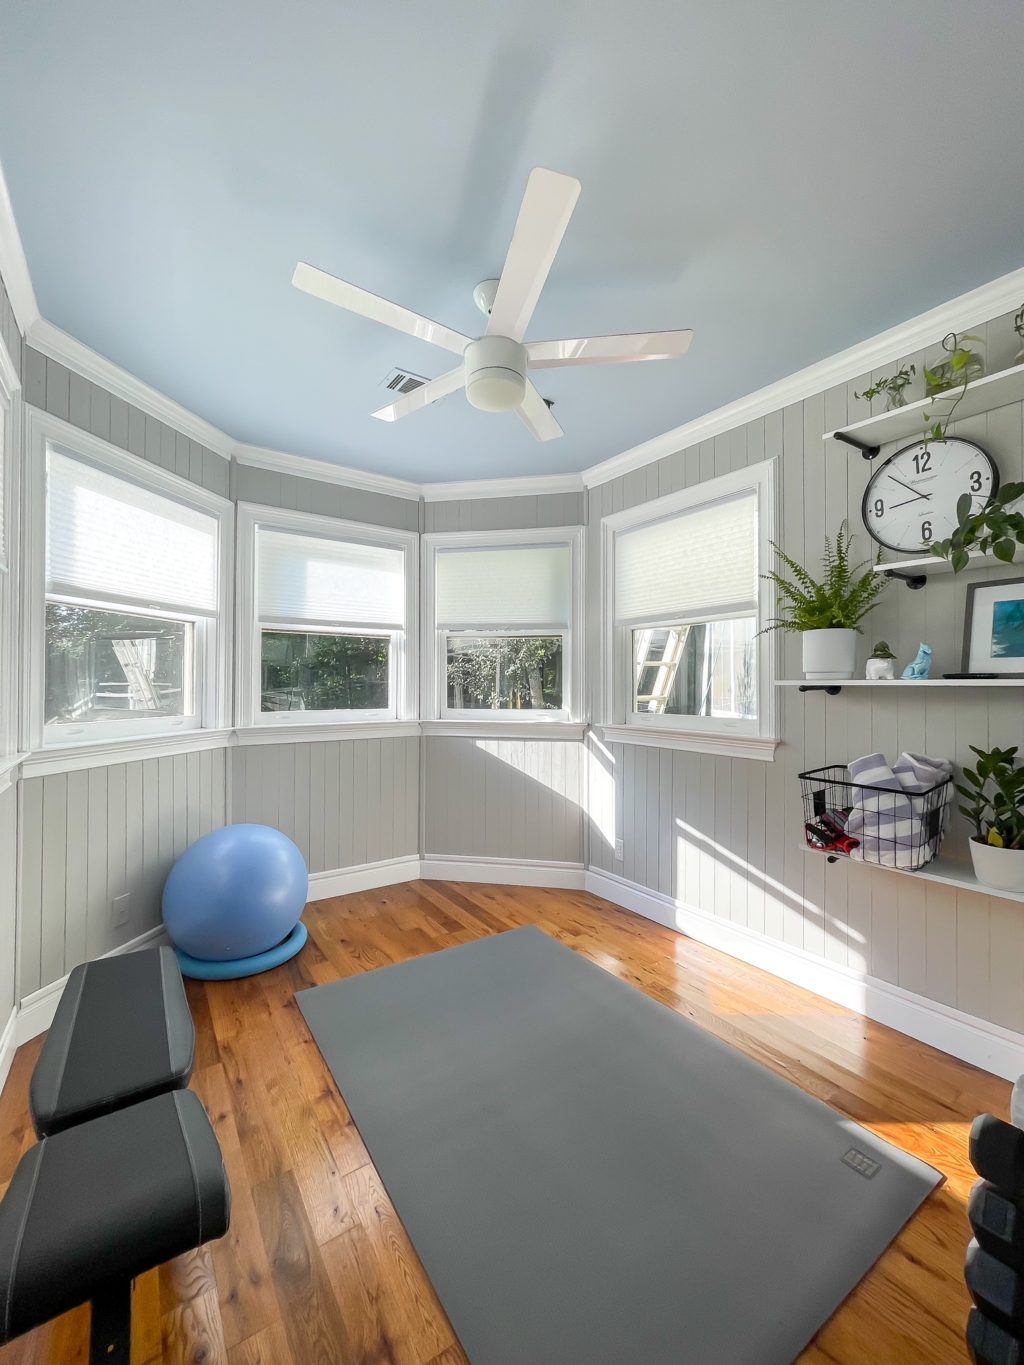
[[590, 1179]]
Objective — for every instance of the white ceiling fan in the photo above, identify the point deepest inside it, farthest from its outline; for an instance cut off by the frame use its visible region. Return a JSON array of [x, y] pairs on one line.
[[495, 367]]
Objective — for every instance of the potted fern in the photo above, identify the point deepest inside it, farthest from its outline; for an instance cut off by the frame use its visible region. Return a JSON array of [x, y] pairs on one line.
[[826, 613], [993, 794]]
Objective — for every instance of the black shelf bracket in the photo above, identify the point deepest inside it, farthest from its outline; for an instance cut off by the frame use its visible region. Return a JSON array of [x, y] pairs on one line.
[[914, 581], [832, 689], [869, 452]]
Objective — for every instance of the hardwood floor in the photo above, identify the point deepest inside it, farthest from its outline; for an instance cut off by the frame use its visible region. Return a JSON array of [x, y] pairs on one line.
[[317, 1267]]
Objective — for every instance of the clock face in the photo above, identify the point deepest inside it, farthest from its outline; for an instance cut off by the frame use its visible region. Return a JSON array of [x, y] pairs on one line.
[[911, 499]]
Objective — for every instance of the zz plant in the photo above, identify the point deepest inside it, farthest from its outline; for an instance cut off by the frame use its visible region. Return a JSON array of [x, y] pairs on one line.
[[838, 601], [993, 794], [997, 529]]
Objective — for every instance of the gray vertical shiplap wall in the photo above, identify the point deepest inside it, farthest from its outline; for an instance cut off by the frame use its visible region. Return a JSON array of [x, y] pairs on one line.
[[344, 802], [505, 514], [274, 489], [725, 835], [8, 904], [91, 835], [9, 329], [55, 389], [503, 798]]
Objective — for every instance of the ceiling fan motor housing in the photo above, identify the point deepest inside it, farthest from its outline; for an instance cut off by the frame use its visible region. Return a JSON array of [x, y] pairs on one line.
[[495, 373]]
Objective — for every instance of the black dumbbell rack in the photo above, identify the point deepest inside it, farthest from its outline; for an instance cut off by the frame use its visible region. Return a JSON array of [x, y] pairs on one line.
[[994, 1268]]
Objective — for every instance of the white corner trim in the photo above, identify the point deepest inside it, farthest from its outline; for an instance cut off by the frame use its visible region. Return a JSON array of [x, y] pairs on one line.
[[35, 1014], [13, 265], [50, 341], [435, 867], [973, 1040], [967, 310], [343, 881], [526, 486], [303, 467], [728, 746], [9, 768], [8, 1046]]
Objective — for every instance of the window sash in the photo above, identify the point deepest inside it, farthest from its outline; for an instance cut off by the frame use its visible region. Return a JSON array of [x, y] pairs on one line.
[[194, 676], [396, 642], [510, 714]]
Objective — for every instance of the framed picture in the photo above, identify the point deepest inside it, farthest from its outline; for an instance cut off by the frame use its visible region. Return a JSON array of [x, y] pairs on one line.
[[994, 628]]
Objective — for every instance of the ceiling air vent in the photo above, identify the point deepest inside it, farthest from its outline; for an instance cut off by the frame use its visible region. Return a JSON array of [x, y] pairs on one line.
[[402, 381]]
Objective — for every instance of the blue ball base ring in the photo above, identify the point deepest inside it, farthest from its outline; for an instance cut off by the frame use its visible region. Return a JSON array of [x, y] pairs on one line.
[[201, 970]]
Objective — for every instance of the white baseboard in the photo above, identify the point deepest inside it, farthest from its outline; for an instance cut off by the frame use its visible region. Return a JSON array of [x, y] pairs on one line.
[[35, 1014], [8, 1046], [503, 872], [972, 1040], [364, 877]]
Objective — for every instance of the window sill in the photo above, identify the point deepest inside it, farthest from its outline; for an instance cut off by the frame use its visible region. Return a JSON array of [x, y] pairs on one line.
[[66, 758], [727, 746], [299, 732], [505, 729]]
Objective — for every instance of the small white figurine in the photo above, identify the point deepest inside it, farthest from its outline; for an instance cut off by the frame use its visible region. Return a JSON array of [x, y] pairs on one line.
[[882, 663]]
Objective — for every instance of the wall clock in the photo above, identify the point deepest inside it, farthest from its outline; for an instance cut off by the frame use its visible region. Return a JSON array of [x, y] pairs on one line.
[[911, 498]]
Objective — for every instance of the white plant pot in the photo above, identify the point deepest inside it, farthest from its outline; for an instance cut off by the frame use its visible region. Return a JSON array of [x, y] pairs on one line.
[[829, 654], [878, 670], [1002, 868]]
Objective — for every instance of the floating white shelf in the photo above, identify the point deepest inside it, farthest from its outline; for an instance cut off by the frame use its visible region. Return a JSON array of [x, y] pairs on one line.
[[926, 564], [991, 391], [946, 873], [901, 682]]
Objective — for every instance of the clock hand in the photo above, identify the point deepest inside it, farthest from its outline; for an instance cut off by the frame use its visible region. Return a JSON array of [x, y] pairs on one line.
[[908, 487], [905, 503]]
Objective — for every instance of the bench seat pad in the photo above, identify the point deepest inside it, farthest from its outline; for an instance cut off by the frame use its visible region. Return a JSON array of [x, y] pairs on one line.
[[106, 1201], [122, 1032]]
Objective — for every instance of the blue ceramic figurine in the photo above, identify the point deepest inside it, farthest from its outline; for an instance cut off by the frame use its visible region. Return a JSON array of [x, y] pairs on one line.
[[921, 665]]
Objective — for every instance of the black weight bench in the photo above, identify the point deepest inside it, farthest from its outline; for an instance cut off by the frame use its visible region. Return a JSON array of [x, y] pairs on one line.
[[90, 1208], [122, 1033]]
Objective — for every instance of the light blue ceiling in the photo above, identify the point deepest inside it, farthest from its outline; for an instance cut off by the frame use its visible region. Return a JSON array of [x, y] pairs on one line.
[[784, 178]]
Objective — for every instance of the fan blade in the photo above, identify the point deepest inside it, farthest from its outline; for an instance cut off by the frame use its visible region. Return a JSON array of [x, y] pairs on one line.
[[367, 305], [616, 350], [543, 217], [423, 396], [537, 416]]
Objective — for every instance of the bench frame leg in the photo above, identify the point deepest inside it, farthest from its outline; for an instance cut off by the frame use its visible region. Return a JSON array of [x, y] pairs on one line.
[[110, 1337]]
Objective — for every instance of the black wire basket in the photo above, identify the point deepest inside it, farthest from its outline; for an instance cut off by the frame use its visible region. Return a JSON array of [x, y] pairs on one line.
[[871, 824]]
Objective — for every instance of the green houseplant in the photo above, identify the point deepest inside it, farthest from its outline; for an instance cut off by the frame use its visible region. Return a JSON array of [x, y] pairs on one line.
[[962, 364], [881, 663], [996, 530], [892, 387], [993, 795], [826, 612], [1018, 327]]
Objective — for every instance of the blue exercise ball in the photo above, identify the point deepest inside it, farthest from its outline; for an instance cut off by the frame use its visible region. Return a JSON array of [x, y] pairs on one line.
[[235, 893]]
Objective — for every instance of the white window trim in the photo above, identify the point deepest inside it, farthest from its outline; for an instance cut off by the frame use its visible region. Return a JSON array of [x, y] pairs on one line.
[[433, 686], [10, 479], [41, 431], [737, 738], [404, 673]]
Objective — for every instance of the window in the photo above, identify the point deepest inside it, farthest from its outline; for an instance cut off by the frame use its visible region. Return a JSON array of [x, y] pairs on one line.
[[327, 606], [9, 421], [132, 599], [684, 606], [502, 628]]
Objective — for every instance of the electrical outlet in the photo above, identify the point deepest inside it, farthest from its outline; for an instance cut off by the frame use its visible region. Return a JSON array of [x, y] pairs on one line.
[[619, 853], [120, 910]]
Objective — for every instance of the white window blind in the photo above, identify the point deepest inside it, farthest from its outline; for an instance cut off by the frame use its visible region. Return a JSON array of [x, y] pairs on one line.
[[110, 540], [700, 562], [306, 579], [518, 586]]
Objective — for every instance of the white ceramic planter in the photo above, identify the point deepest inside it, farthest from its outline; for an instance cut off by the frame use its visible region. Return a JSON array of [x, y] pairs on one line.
[[1002, 868], [878, 670], [829, 654]]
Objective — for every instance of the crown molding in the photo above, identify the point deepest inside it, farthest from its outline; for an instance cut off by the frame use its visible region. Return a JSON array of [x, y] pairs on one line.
[[528, 486], [967, 310], [303, 467], [50, 341], [13, 265]]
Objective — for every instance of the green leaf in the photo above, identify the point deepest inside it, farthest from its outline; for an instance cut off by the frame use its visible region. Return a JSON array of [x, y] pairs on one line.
[[1004, 550], [964, 503], [959, 560]]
